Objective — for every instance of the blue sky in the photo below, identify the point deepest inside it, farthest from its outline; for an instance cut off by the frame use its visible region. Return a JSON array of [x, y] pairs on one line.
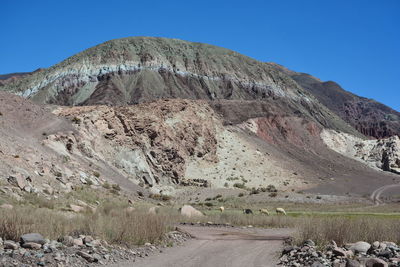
[[355, 43]]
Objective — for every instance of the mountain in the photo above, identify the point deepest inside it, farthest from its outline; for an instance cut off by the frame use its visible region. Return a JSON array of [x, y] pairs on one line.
[[368, 116], [140, 69], [163, 113]]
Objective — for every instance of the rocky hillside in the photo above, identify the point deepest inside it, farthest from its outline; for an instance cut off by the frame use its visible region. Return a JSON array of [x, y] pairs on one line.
[[136, 70], [369, 117]]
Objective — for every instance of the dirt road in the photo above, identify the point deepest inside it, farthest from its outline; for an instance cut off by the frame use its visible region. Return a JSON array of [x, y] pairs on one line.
[[375, 196], [216, 246]]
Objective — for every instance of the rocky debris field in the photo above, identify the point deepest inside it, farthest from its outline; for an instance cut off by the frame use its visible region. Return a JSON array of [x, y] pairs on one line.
[[377, 254], [34, 250]]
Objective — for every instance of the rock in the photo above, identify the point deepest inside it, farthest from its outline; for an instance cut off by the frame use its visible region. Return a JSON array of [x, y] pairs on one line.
[[76, 208], [33, 238], [339, 252], [287, 250], [147, 244], [1, 241], [375, 245], [31, 245], [17, 180], [189, 211], [375, 262], [360, 247], [86, 256], [87, 239], [386, 254], [352, 263], [6, 206], [68, 241], [309, 243], [47, 189], [317, 264], [78, 242], [8, 244]]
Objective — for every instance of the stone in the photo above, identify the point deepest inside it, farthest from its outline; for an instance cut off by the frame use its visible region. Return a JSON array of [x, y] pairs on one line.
[[30, 245], [375, 262], [309, 243], [76, 208], [360, 247], [375, 245], [287, 250], [87, 239], [339, 252], [78, 242], [8, 244], [317, 264], [189, 211], [68, 241], [33, 238], [352, 263], [86, 256], [386, 254], [17, 180], [47, 189]]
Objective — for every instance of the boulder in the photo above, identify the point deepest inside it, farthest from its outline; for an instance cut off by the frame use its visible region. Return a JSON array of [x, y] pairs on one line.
[[78, 242], [17, 180], [8, 244], [86, 256], [189, 211], [375, 262], [360, 247], [352, 263], [68, 241], [33, 238], [339, 252], [76, 208], [88, 239], [31, 245]]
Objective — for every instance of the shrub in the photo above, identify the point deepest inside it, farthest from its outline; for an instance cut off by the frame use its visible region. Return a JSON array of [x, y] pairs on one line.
[[116, 187], [106, 185], [96, 174], [76, 120]]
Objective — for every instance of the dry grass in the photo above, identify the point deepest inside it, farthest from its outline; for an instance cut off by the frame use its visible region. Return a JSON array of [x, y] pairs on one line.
[[113, 225], [345, 229]]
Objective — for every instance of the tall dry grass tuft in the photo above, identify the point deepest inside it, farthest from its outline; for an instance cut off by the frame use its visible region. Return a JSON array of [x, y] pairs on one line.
[[344, 229], [117, 226]]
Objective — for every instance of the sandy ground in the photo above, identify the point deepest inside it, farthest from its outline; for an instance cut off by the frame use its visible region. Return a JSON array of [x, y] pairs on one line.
[[214, 246]]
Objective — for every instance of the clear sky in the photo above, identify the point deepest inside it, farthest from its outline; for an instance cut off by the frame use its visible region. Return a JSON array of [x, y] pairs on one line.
[[353, 42]]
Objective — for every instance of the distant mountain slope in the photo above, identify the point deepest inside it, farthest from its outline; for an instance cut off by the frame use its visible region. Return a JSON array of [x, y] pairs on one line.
[[368, 116]]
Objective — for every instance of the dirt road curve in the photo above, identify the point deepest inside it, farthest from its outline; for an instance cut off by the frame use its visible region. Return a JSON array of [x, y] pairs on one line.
[[375, 196], [220, 247]]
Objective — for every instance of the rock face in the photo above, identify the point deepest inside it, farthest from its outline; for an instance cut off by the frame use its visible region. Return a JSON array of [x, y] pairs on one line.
[[383, 154]]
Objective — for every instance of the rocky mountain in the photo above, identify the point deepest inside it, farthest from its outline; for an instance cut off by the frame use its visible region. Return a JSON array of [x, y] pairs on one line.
[[369, 117], [135, 70], [162, 113], [12, 77]]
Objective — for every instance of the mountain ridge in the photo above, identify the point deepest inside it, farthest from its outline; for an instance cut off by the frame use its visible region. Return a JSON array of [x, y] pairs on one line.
[[139, 69]]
